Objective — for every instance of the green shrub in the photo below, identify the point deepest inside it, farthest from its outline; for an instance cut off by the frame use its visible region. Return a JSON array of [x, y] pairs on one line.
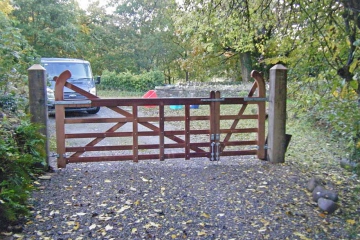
[[333, 107], [21, 153], [126, 81]]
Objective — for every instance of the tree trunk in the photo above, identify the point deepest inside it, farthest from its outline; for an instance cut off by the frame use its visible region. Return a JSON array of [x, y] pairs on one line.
[[246, 65], [187, 76]]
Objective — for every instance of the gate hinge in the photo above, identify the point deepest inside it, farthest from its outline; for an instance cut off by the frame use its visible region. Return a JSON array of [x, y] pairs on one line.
[[215, 137], [256, 99], [212, 99], [265, 147]]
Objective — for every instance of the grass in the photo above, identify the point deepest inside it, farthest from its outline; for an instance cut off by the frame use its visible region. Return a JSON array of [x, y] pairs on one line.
[[118, 94]]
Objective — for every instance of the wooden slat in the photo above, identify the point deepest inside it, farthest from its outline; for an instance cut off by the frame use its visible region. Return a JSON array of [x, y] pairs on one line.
[[130, 157], [125, 147], [239, 153], [242, 130], [135, 134], [162, 133], [187, 132], [97, 120], [233, 117]]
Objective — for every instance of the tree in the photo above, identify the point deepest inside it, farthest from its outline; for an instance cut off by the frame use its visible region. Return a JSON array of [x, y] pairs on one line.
[[147, 33], [50, 26], [231, 30], [16, 54]]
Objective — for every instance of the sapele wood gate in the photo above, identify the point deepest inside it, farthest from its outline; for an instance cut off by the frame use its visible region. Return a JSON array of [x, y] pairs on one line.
[[216, 141]]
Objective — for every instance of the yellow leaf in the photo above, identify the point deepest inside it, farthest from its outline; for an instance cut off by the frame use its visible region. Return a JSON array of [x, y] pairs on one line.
[[202, 233], [205, 215], [76, 226], [107, 180], [134, 230], [301, 236], [173, 236], [137, 202], [350, 221]]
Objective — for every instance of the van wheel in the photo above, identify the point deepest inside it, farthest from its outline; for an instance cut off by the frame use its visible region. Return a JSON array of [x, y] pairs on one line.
[[95, 111]]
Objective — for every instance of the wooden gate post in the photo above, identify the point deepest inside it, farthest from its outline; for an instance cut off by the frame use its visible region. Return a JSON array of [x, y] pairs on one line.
[[277, 114], [37, 102]]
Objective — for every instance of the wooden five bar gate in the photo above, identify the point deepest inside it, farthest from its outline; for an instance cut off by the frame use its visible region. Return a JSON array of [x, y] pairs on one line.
[[217, 142]]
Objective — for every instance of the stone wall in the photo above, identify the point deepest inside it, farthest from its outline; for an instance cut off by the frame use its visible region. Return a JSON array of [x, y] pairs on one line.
[[199, 89]]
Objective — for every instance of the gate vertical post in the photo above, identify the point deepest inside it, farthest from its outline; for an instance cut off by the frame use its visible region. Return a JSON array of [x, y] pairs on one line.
[[261, 114], [212, 127], [37, 102], [135, 134], [60, 118], [217, 126], [162, 131], [277, 114]]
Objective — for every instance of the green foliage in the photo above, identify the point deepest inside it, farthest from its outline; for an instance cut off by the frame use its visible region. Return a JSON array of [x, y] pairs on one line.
[[127, 81], [21, 154], [16, 56], [50, 26]]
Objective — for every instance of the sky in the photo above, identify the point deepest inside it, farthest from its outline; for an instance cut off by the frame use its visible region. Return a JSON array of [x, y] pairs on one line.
[[85, 3]]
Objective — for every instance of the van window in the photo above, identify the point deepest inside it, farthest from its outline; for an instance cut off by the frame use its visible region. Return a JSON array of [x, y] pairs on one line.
[[78, 70]]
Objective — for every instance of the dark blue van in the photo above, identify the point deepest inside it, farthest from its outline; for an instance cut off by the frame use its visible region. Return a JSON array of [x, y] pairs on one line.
[[81, 76]]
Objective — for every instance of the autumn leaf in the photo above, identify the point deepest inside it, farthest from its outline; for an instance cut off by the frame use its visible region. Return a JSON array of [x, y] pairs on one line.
[[351, 221], [205, 215], [301, 236], [108, 227], [76, 226], [93, 226], [201, 233]]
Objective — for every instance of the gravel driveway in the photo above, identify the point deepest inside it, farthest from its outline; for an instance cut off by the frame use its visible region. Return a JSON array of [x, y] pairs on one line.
[[235, 198]]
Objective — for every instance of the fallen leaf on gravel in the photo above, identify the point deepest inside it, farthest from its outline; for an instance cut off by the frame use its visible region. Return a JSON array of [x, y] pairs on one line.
[[107, 180], [108, 227], [201, 233], [18, 236], [122, 209], [45, 177], [301, 236], [6, 233], [134, 230], [205, 215], [187, 222], [151, 224], [350, 221], [144, 179], [77, 225], [93, 226]]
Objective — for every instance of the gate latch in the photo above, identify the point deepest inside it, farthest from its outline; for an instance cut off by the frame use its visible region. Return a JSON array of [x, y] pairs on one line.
[[215, 147]]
